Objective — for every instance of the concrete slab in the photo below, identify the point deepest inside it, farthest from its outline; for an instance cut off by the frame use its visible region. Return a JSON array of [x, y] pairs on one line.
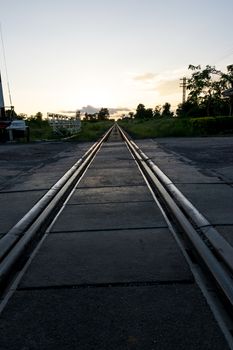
[[110, 157], [227, 173], [107, 257], [8, 174], [112, 177], [112, 149], [111, 195], [36, 181], [109, 216], [226, 231], [49, 160], [121, 162], [180, 173], [213, 201], [43, 177], [116, 143], [205, 152], [113, 154], [178, 168], [150, 317], [14, 205]]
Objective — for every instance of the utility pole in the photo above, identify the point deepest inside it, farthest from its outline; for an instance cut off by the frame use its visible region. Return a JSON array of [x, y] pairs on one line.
[[2, 107], [183, 84]]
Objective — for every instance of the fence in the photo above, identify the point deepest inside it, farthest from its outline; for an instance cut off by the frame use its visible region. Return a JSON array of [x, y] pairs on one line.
[[59, 121]]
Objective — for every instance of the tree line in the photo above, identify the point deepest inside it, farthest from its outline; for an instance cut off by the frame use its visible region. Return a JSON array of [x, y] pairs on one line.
[[205, 96], [103, 114]]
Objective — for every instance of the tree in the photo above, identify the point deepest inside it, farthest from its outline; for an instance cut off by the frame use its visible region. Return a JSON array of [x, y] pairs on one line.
[[228, 80], [166, 112], [92, 117], [22, 116], [11, 115], [149, 113], [143, 113], [131, 115], [140, 111], [157, 112], [39, 116], [206, 90], [189, 109], [103, 114], [77, 114]]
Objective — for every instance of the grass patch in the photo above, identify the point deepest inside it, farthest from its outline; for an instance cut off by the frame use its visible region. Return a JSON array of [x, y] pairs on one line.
[[178, 127], [92, 131], [40, 130]]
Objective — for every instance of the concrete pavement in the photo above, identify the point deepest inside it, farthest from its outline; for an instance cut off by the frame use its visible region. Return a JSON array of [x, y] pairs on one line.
[[202, 168], [28, 171], [110, 274]]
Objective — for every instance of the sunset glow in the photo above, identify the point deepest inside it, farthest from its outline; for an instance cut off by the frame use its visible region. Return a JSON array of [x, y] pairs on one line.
[[65, 55]]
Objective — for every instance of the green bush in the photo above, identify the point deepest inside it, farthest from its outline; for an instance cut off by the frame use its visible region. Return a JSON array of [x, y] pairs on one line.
[[92, 131], [176, 127], [40, 130], [212, 125]]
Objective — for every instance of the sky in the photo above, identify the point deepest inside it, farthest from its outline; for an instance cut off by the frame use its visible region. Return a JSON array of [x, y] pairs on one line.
[[68, 55]]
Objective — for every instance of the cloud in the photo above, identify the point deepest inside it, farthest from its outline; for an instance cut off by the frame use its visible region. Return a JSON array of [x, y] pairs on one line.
[[168, 87], [119, 110], [91, 110], [145, 77], [152, 79], [67, 112]]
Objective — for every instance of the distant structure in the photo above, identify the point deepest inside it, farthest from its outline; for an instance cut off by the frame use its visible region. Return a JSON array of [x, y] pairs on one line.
[[60, 121], [2, 107], [6, 112], [183, 84]]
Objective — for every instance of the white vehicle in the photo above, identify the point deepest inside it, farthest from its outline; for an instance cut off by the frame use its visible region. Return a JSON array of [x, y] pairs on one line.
[[17, 125], [18, 129]]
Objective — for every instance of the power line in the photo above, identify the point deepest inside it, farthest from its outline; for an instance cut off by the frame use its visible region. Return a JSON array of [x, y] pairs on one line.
[[5, 65]]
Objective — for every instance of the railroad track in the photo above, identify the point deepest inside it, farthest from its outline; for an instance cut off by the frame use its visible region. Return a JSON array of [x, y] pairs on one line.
[[197, 238]]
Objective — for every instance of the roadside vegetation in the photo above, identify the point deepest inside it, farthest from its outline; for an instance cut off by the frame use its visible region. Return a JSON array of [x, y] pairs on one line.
[[205, 112], [177, 127], [39, 128], [208, 110], [91, 128], [92, 131], [94, 125]]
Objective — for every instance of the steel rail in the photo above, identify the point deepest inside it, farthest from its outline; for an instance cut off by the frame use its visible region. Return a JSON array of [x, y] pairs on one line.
[[219, 272], [19, 238]]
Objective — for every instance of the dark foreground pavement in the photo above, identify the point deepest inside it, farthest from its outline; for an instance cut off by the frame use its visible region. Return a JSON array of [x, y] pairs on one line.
[[202, 168], [28, 171], [109, 275]]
